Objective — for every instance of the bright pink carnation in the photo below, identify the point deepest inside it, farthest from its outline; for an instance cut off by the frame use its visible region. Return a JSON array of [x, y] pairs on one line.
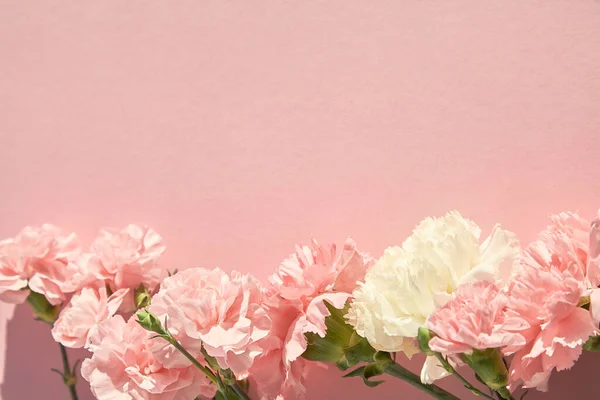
[[13, 277], [128, 258], [475, 318], [550, 279], [49, 260], [222, 311], [301, 285], [124, 365], [86, 309]]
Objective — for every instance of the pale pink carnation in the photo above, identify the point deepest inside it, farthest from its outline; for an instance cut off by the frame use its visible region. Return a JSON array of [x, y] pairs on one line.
[[311, 276], [50, 262], [13, 277], [550, 279], [223, 311], [316, 269], [86, 309], [474, 319], [125, 366], [301, 285], [273, 375], [128, 258]]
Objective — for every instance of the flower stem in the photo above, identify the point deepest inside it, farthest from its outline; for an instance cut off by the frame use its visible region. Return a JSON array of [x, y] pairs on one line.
[[398, 371], [206, 371], [69, 377], [239, 391], [448, 367]]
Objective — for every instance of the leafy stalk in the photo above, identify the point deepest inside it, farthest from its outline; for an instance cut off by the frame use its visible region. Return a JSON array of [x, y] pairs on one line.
[[398, 371]]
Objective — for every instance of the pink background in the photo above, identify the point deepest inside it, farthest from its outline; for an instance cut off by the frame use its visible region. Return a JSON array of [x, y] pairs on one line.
[[237, 129]]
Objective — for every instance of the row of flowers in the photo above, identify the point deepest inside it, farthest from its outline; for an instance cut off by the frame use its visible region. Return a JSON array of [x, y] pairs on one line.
[[511, 314]]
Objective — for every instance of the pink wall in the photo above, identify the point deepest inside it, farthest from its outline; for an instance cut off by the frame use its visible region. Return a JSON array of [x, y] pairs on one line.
[[239, 129]]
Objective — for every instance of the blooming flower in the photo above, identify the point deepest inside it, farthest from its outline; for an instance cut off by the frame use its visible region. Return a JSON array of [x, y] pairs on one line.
[[550, 279], [273, 374], [300, 286], [43, 259], [13, 277], [124, 365], [222, 311], [86, 309], [408, 283], [475, 318], [128, 258]]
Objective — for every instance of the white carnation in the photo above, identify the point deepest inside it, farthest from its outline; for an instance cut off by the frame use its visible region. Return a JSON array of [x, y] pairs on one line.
[[410, 281]]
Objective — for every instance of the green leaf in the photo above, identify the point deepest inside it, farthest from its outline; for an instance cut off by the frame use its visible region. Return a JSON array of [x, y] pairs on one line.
[[360, 371], [372, 383]]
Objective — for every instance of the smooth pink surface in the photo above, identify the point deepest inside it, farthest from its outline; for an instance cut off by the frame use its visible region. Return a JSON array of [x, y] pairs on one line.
[[237, 129]]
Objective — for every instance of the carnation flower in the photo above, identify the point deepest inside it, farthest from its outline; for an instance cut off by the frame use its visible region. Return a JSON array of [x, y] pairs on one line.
[[86, 309], [125, 365], [549, 282], [300, 286], [48, 259], [475, 318], [409, 282], [13, 277], [222, 311], [128, 258], [273, 374]]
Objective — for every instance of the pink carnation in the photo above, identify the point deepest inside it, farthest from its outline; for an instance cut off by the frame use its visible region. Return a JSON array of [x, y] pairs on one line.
[[125, 365], [314, 270], [49, 262], [273, 375], [301, 285], [13, 277], [128, 258], [475, 318], [222, 311], [86, 309], [550, 279]]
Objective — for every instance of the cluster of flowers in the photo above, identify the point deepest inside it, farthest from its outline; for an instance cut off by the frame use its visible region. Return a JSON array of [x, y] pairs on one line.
[[511, 314]]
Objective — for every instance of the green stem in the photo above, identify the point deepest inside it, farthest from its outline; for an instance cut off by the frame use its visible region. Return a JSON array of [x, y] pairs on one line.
[[398, 371], [69, 377], [448, 367], [206, 371], [239, 391]]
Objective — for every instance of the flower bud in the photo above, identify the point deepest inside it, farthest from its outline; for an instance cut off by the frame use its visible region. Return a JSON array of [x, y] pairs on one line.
[[151, 323], [141, 297], [42, 309]]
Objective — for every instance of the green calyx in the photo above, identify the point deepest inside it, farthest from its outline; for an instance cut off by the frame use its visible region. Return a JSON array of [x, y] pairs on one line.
[[592, 344], [490, 368], [343, 347], [423, 337], [151, 323], [42, 309], [141, 297]]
